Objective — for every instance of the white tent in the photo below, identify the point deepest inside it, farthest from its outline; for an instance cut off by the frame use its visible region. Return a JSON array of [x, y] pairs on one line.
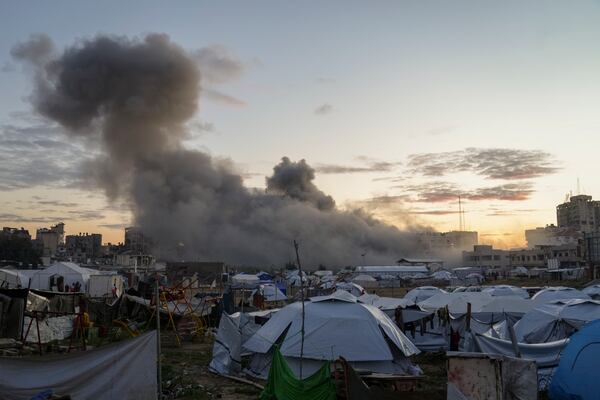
[[270, 292], [443, 275], [365, 280], [422, 293], [71, 273], [245, 280], [335, 325], [507, 304], [352, 288], [506, 290], [12, 278], [386, 304], [593, 291], [558, 293], [554, 321], [456, 302]]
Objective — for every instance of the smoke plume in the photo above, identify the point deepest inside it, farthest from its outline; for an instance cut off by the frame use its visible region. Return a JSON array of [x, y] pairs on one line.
[[130, 99]]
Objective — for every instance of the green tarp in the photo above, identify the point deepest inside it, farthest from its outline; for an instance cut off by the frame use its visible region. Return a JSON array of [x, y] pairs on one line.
[[283, 384]]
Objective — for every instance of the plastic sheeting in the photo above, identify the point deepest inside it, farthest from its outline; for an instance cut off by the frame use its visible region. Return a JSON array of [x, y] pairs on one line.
[[422, 293], [124, 370], [227, 347], [52, 328]]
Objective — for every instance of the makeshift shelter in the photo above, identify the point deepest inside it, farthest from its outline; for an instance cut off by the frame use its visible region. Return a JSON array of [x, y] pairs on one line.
[[60, 275], [422, 293], [577, 374], [558, 293], [270, 292], [333, 326], [13, 278], [443, 275], [506, 290], [365, 281], [245, 280], [593, 291], [352, 288]]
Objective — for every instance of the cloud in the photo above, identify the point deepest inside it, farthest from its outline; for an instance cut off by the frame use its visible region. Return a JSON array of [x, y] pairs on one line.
[[37, 155], [441, 130], [220, 97], [114, 226], [506, 164], [324, 80], [57, 203], [438, 192], [324, 109], [7, 67], [368, 165], [37, 50]]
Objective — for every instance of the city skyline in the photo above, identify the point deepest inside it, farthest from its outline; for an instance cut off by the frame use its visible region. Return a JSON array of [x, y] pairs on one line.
[[494, 103]]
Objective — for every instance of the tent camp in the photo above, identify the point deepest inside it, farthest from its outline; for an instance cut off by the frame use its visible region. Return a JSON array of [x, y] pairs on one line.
[[365, 280], [577, 373], [558, 293], [552, 322], [593, 291], [245, 280], [422, 293], [333, 326], [270, 292], [62, 273], [352, 288], [506, 290]]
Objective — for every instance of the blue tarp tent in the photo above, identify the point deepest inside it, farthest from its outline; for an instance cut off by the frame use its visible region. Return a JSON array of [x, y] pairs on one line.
[[578, 373]]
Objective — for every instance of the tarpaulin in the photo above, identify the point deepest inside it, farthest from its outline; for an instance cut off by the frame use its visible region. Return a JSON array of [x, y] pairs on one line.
[[283, 385], [124, 370]]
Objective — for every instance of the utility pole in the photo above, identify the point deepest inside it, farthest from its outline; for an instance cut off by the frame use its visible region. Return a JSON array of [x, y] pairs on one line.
[[301, 299], [158, 349]]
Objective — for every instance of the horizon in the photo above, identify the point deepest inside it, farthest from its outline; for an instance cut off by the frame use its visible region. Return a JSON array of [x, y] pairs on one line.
[[494, 104]]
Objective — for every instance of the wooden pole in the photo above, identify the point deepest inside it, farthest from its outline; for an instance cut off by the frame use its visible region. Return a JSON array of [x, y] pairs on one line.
[[158, 349], [301, 299]]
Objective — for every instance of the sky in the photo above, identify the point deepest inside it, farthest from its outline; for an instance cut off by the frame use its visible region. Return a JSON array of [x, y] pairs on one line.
[[399, 106]]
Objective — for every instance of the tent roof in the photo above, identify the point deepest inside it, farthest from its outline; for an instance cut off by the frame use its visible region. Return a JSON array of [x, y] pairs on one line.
[[506, 290], [332, 329], [363, 277], [557, 293], [456, 302], [422, 293]]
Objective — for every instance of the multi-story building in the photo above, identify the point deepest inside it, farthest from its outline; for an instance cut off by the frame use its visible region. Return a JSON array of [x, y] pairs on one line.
[[48, 239], [136, 242], [552, 235], [486, 257], [580, 212], [10, 233], [564, 256], [83, 247]]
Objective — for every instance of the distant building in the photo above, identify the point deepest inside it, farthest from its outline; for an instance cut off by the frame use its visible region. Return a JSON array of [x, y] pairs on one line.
[[446, 241], [592, 244], [129, 259], [136, 241], [430, 263], [399, 271], [83, 247], [580, 212], [486, 257], [48, 239], [11, 233], [562, 256], [552, 235]]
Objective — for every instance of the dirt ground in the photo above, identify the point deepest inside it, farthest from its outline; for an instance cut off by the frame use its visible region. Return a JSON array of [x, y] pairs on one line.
[[185, 373]]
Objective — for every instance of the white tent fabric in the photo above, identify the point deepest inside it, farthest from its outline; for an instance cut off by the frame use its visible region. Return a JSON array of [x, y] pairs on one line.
[[124, 370], [506, 290], [227, 358], [555, 321], [385, 303], [271, 293], [333, 328], [593, 291], [365, 281], [443, 275], [70, 272], [558, 293], [12, 278], [456, 302], [245, 280], [507, 304], [352, 288], [422, 293]]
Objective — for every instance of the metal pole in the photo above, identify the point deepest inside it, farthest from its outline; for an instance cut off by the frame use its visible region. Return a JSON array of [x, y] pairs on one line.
[[158, 350], [301, 299]]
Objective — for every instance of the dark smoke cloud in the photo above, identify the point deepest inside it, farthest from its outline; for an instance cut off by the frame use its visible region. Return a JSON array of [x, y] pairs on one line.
[[131, 99]]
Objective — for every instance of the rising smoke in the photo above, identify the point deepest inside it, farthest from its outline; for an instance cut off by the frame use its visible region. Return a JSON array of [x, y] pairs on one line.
[[130, 100]]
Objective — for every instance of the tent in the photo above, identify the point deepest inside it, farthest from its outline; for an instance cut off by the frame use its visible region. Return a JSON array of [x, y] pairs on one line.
[[577, 374], [365, 280], [386, 304], [334, 325], [506, 290], [555, 321], [443, 275], [352, 288], [422, 293], [558, 293], [456, 302], [67, 272], [12, 278], [593, 291], [245, 280], [271, 293]]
